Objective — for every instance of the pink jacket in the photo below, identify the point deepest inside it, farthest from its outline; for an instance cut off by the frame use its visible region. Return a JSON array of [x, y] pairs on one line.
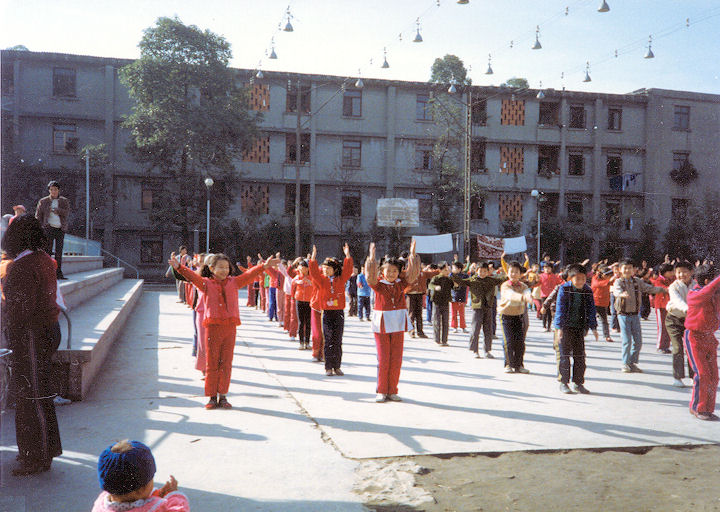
[[172, 502]]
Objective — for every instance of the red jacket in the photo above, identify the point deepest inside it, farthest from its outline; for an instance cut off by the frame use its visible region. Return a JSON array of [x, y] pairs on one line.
[[302, 288], [548, 282], [274, 277], [420, 284], [704, 307], [601, 291], [331, 291], [220, 298], [661, 299], [389, 296]]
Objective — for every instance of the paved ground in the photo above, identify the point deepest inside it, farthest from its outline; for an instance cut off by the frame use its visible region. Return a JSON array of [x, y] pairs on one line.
[[295, 436]]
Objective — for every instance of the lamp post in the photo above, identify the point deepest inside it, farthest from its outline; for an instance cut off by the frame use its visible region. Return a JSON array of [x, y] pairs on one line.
[[536, 194], [467, 181], [87, 200], [208, 184]]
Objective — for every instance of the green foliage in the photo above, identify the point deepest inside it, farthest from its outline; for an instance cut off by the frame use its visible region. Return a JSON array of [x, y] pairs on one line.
[[705, 219], [249, 236], [678, 240], [646, 248], [190, 120], [449, 69], [611, 248], [518, 83], [685, 174]]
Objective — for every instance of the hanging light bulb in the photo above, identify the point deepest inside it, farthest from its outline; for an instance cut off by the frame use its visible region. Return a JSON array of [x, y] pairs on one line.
[[604, 7], [587, 73], [288, 25], [273, 55], [540, 94], [649, 54], [463, 2], [537, 45], [452, 89], [259, 75], [418, 37], [359, 83], [489, 69], [385, 64]]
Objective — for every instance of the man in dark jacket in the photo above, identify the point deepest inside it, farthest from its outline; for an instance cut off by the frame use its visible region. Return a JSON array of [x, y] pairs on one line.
[[52, 211]]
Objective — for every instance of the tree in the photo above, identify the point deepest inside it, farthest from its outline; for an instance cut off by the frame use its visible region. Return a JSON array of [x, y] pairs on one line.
[[705, 240], [450, 69], [646, 248], [521, 83], [190, 120]]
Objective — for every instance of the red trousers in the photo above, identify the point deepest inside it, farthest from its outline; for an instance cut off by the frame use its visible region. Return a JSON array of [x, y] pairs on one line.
[[219, 349], [316, 334], [701, 348], [281, 306], [663, 338], [290, 324], [251, 296], [457, 309], [389, 354], [263, 298]]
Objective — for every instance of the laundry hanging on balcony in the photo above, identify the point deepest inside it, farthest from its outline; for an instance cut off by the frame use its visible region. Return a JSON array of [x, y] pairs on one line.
[[630, 181]]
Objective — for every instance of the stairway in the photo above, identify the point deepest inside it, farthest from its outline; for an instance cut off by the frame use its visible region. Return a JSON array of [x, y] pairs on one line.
[[99, 302]]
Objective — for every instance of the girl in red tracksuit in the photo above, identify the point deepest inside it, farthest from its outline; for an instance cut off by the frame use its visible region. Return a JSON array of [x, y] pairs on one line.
[[221, 317], [330, 286], [390, 318], [701, 322], [303, 291]]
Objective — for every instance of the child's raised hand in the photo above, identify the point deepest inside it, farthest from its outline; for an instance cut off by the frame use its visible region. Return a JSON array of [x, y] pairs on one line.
[[371, 251], [170, 486], [173, 262], [346, 250], [313, 255], [412, 248], [272, 262]]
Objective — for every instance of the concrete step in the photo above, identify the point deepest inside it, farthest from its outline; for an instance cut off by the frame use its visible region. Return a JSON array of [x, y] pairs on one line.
[[75, 264], [95, 326], [81, 286]]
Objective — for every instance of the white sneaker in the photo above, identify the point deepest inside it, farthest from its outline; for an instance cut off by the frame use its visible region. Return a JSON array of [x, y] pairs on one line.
[[465, 330], [456, 330], [678, 383], [394, 398], [292, 338], [380, 398]]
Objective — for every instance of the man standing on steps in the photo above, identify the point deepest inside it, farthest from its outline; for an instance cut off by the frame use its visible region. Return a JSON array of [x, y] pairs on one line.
[[52, 211]]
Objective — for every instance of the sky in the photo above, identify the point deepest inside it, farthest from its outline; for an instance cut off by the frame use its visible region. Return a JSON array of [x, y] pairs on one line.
[[348, 37]]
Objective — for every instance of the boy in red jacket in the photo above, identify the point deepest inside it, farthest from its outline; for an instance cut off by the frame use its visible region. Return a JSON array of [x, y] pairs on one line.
[[701, 322], [664, 280]]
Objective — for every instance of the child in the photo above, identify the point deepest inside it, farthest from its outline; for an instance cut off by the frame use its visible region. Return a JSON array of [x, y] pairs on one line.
[[628, 292], [458, 298], [302, 292], [415, 293], [290, 319], [701, 322], [363, 292], [352, 291], [514, 297], [331, 294], [663, 280], [125, 472], [482, 295], [548, 281], [390, 318], [220, 318], [575, 314], [601, 293], [675, 319], [440, 287], [433, 267]]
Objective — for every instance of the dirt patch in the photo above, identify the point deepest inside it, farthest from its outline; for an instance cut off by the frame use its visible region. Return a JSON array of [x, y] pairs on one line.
[[657, 479]]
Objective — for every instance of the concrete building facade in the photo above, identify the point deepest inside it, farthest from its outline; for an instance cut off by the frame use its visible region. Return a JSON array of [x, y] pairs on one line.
[[601, 161]]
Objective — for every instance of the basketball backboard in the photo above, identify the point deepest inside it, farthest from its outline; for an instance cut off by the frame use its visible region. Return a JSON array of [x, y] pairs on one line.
[[399, 213]]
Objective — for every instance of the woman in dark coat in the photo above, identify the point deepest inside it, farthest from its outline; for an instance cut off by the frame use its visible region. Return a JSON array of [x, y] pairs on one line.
[[30, 316]]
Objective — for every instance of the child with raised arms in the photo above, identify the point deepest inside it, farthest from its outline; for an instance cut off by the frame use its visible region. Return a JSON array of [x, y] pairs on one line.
[[390, 317]]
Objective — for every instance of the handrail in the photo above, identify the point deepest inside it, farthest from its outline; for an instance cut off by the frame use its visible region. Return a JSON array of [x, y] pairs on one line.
[[137, 272], [69, 324]]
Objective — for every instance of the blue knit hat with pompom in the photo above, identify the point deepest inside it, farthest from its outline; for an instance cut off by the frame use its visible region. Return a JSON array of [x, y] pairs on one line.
[[124, 471]]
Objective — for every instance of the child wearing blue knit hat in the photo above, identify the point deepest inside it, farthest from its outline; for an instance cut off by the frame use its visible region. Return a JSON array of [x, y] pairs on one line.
[[125, 472]]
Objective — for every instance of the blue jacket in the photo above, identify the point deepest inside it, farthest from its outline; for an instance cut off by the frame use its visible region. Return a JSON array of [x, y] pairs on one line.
[[563, 299], [365, 290]]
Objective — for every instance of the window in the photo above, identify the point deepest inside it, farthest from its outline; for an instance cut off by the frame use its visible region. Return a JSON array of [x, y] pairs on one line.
[[477, 208], [614, 118], [291, 100], [612, 213], [679, 209], [549, 113], [352, 103], [478, 112], [614, 165], [351, 203], [628, 224], [577, 116], [290, 199], [682, 118], [425, 205], [548, 160], [423, 156], [575, 210], [549, 204], [63, 83], [149, 191], [351, 153], [576, 163], [680, 159], [290, 154], [8, 77], [422, 108], [477, 156], [151, 251], [65, 140]]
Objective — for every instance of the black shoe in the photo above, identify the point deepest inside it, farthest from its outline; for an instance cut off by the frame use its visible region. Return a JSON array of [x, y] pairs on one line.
[[581, 389], [61, 278], [422, 335], [339, 372], [565, 389], [25, 467]]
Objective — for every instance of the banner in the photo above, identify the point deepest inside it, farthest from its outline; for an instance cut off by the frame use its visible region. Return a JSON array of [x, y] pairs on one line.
[[433, 244], [515, 245], [489, 247]]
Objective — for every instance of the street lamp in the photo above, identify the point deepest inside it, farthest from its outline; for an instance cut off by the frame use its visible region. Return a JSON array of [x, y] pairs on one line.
[[537, 194], [208, 184]]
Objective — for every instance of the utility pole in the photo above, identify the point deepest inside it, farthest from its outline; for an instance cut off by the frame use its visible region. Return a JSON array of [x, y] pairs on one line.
[[297, 170], [467, 181], [87, 199]]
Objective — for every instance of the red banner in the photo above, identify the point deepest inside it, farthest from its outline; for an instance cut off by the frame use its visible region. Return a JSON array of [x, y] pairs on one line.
[[489, 247]]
